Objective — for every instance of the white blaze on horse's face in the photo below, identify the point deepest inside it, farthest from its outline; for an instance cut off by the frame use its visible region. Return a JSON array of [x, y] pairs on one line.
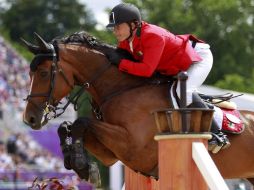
[[31, 85]]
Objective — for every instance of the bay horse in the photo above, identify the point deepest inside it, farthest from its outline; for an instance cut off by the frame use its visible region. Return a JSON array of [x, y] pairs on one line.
[[125, 102]]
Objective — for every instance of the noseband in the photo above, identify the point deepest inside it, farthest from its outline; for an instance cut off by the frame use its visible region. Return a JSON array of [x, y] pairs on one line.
[[51, 109]]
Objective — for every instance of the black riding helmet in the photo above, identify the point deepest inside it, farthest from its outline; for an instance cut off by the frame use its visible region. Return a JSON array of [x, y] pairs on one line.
[[124, 12]]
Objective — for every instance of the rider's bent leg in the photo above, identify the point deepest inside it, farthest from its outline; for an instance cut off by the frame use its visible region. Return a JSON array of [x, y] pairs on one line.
[[219, 140], [198, 71]]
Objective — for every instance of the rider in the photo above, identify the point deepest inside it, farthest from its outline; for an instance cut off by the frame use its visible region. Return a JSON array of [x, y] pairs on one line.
[[157, 50]]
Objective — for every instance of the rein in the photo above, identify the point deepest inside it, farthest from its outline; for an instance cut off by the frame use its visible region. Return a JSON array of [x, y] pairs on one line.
[[149, 81], [74, 99]]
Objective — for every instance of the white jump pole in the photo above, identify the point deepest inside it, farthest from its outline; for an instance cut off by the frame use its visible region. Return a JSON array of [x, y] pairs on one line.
[[207, 167]]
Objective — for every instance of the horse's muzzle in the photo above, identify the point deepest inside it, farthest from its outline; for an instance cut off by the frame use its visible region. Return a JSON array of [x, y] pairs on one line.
[[32, 120]]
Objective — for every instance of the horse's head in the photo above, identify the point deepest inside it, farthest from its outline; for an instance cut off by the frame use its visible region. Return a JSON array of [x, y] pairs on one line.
[[78, 58], [49, 83]]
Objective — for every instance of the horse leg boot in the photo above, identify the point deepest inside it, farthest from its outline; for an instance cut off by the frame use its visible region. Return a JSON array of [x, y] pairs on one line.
[[65, 142], [79, 159], [74, 156], [219, 140]]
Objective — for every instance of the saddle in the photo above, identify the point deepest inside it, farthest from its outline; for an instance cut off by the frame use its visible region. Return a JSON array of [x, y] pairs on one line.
[[229, 117]]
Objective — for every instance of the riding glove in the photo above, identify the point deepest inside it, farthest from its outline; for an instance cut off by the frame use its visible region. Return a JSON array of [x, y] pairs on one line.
[[116, 55], [114, 58]]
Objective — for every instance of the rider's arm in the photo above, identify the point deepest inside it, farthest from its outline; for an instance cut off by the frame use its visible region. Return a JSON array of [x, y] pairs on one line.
[[153, 46]]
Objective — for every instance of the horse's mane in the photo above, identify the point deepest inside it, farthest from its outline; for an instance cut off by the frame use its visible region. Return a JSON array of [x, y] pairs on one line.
[[83, 38]]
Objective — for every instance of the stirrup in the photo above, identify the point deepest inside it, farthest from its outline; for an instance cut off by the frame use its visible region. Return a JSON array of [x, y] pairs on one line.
[[218, 142], [214, 148], [226, 142]]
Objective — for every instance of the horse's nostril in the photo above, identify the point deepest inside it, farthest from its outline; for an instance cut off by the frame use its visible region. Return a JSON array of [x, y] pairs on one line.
[[32, 120]]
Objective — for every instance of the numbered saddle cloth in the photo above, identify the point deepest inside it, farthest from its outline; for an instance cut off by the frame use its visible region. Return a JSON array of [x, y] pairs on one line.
[[232, 122]]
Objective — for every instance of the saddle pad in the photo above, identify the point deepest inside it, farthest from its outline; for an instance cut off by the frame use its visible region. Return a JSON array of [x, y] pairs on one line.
[[231, 121], [224, 104]]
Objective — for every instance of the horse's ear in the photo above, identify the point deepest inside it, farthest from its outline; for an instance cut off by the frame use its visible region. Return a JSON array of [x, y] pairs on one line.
[[32, 48], [44, 46]]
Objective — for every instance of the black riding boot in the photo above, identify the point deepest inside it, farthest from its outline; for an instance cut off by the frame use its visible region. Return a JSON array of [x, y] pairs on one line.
[[219, 140]]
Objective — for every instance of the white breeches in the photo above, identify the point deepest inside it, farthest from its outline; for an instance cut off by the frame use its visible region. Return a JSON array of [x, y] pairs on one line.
[[198, 71]]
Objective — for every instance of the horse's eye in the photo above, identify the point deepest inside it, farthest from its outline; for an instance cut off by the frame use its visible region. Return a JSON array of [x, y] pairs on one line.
[[44, 74]]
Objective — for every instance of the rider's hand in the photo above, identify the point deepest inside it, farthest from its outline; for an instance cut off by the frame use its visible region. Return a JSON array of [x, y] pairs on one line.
[[114, 58]]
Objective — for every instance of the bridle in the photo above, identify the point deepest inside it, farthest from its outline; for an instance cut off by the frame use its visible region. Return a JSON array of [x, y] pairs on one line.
[[52, 110]]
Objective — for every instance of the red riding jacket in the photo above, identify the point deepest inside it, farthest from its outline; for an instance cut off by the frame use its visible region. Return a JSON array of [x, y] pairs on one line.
[[158, 50]]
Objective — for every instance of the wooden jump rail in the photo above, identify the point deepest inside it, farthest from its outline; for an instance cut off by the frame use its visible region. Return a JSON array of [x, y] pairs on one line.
[[184, 162]]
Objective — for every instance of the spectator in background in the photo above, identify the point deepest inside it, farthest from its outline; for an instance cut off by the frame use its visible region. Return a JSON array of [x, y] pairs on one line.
[[11, 144], [5, 159], [25, 149], [14, 78]]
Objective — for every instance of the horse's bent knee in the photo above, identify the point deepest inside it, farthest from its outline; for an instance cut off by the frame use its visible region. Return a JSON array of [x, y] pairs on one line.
[[79, 127], [109, 162], [81, 122]]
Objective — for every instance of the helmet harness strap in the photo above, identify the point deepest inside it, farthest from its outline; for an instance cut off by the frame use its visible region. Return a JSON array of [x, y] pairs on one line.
[[137, 26]]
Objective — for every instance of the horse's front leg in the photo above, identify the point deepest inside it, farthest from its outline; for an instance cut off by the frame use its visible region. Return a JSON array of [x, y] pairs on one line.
[[84, 128], [72, 138], [75, 156], [114, 137], [80, 131], [104, 140]]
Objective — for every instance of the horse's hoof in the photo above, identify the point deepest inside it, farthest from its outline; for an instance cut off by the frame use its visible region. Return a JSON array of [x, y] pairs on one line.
[[94, 174]]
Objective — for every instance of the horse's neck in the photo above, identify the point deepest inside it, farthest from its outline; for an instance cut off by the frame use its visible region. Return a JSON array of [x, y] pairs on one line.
[[112, 82], [92, 65]]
